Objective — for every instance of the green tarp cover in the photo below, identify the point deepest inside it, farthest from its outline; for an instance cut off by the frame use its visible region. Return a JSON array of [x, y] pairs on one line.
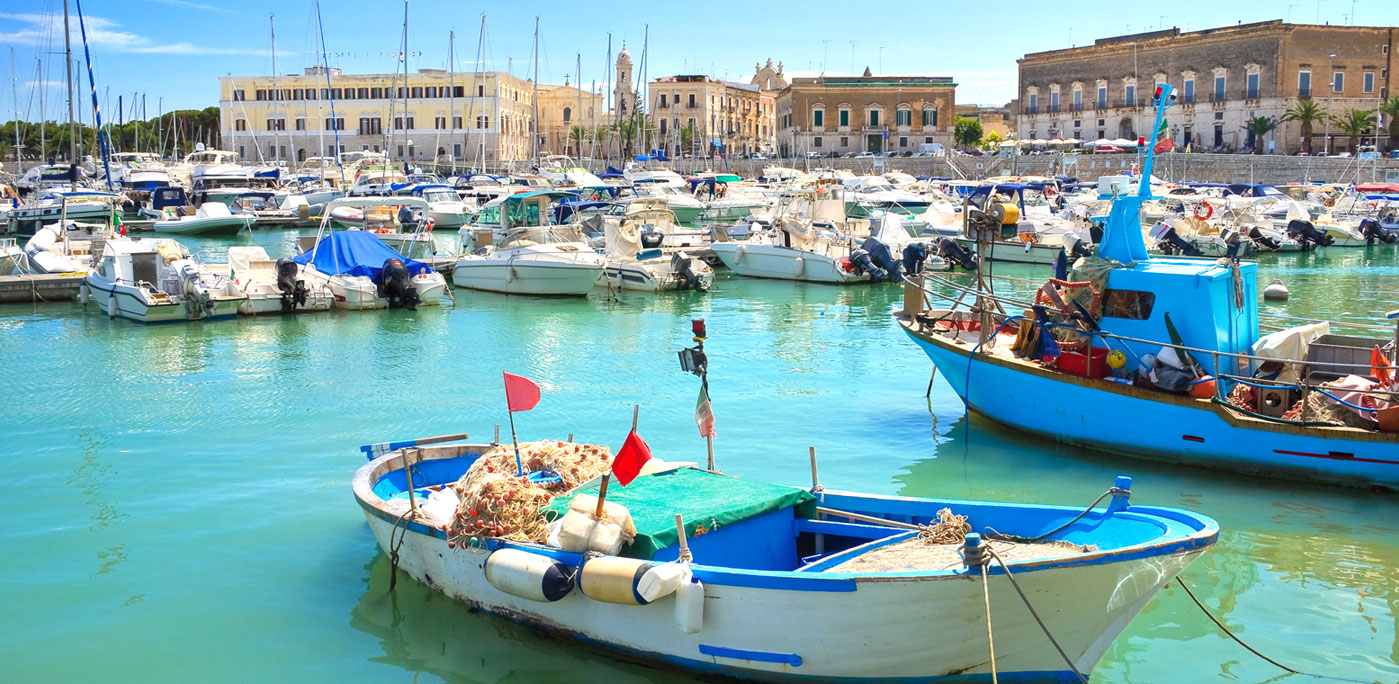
[[703, 498]]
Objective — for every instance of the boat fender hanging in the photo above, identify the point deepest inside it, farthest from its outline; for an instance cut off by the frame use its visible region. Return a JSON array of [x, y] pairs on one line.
[[612, 579], [112, 304], [528, 575], [738, 254], [509, 274], [1204, 211], [663, 580], [798, 265]]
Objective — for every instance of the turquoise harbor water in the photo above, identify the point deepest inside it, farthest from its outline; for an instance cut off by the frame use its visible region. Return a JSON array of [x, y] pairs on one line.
[[177, 501]]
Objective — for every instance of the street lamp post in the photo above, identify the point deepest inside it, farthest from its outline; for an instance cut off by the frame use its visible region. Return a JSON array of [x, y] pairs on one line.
[[1326, 137]]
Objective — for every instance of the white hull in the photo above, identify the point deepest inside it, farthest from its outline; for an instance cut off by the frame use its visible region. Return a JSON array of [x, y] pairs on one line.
[[356, 293], [526, 275], [1015, 252], [219, 225], [783, 263], [649, 277], [116, 299], [870, 630]]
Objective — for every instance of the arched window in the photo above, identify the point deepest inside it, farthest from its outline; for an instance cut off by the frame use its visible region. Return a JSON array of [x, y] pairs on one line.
[[567, 114], [904, 116]]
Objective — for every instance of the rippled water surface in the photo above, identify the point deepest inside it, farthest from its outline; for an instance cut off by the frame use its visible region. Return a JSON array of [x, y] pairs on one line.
[[178, 499]]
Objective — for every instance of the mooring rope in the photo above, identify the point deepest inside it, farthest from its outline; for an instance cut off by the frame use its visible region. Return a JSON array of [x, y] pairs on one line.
[[991, 531], [1251, 649], [1067, 661], [393, 548]]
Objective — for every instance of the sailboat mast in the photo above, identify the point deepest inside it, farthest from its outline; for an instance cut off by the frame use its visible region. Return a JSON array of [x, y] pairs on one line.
[[451, 97], [14, 92], [330, 93], [276, 94], [406, 89], [72, 123], [534, 99], [577, 113], [43, 116]]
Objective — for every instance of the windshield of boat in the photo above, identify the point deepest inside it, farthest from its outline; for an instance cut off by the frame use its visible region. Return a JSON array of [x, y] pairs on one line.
[[440, 196], [544, 235]]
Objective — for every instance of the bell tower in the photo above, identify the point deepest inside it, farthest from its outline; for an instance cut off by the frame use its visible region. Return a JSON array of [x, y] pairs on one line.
[[622, 94]]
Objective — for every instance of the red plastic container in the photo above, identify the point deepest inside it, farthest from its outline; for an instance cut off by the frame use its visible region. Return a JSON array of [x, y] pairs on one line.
[[1079, 363]]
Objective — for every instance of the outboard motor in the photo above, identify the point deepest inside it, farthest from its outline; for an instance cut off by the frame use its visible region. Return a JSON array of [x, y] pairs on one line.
[[652, 239], [955, 254], [1262, 240], [1095, 232], [293, 289], [682, 266], [1370, 230], [915, 254], [1172, 243], [395, 284], [861, 263], [1306, 234], [198, 303], [407, 219], [882, 256], [1074, 248], [1235, 242]]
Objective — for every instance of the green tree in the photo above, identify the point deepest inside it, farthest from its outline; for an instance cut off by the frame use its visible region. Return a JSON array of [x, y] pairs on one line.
[[1260, 126], [689, 133], [1308, 113], [1390, 108], [966, 132], [992, 140], [1354, 123]]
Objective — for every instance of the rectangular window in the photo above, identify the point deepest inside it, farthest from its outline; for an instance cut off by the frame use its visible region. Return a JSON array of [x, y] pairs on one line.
[[300, 124], [1218, 88], [903, 142], [691, 101], [398, 123], [417, 91], [1251, 83], [349, 93], [1338, 81], [1130, 95], [1189, 89], [364, 125], [458, 91], [376, 93], [1054, 102], [237, 96], [1034, 105], [439, 123], [1078, 100], [873, 117], [363, 94], [844, 141], [1134, 305], [930, 116], [1304, 84], [845, 118], [431, 91], [456, 122], [818, 118], [410, 123], [1369, 82], [376, 126], [456, 149], [816, 142], [260, 94], [1103, 97], [240, 125], [481, 90], [296, 94], [905, 117]]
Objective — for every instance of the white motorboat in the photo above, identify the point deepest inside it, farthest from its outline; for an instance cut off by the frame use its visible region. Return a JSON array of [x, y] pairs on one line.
[[138, 171], [533, 257], [362, 272], [211, 218], [274, 286], [11, 257], [86, 209], [401, 222], [444, 206], [798, 246], [636, 259], [156, 280], [224, 183]]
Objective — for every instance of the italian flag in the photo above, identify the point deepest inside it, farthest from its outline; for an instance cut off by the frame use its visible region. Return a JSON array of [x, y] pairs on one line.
[[116, 224], [1163, 139], [704, 415]]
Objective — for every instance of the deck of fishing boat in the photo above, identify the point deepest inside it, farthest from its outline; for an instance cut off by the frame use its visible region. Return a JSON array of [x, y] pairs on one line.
[[40, 288]]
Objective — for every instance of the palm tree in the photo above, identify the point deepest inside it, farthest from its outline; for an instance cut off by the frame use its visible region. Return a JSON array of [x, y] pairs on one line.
[[1390, 108], [1355, 122], [1258, 127], [1306, 112], [689, 133]]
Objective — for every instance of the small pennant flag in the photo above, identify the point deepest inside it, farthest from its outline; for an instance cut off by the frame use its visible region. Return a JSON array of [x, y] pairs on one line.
[[117, 224], [1163, 139], [633, 455], [521, 394], [704, 414]]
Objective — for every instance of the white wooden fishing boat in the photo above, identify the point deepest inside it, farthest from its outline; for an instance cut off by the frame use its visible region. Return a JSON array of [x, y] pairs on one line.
[[533, 257], [156, 280], [778, 592]]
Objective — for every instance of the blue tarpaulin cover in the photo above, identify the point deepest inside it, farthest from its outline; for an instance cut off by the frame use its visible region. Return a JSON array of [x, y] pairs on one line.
[[356, 253]]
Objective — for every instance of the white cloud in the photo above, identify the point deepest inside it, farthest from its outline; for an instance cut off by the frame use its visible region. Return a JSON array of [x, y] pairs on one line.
[[104, 35], [190, 5]]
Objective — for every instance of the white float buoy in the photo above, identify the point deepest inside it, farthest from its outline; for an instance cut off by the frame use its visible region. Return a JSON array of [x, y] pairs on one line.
[[1275, 291]]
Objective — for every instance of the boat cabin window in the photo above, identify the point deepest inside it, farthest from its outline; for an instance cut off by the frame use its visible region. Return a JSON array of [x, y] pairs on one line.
[[1133, 305], [522, 214], [144, 267], [489, 216]]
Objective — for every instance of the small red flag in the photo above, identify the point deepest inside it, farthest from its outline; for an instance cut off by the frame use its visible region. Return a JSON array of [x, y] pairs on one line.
[[521, 394], [633, 455]]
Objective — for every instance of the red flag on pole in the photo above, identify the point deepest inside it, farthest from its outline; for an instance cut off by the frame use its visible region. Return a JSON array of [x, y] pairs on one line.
[[521, 394], [630, 458]]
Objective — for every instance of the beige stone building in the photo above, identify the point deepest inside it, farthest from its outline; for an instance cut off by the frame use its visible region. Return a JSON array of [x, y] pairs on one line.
[[998, 120], [866, 113], [1223, 77], [692, 112], [471, 117], [563, 108]]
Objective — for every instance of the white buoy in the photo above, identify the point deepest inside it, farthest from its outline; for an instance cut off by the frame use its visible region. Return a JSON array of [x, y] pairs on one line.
[[1275, 291]]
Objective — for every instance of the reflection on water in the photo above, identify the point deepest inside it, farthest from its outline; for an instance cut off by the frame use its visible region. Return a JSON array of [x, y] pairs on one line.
[[222, 453]]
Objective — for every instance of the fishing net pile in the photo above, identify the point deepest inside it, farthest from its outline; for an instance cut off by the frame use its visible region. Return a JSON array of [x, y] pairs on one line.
[[495, 502]]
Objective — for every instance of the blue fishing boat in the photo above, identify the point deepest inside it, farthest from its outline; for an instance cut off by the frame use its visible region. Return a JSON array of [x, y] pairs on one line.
[[1161, 358], [779, 583]]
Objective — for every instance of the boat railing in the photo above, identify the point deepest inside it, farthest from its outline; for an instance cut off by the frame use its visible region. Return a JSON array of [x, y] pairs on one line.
[[1304, 384]]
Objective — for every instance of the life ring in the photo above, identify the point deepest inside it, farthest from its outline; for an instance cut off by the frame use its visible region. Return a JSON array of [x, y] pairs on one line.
[[1204, 211], [383, 230], [1048, 191]]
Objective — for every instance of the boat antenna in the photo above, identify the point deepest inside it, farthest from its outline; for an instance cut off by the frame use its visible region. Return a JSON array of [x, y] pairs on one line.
[[325, 68], [96, 112]]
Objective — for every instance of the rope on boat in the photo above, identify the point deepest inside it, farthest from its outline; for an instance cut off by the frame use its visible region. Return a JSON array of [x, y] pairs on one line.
[[1044, 628], [993, 534], [1240, 642], [402, 531], [986, 597]]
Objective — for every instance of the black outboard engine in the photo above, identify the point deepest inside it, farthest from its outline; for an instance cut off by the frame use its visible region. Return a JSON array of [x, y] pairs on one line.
[[1172, 243], [682, 266], [1306, 234], [956, 255], [882, 257], [1235, 242], [1370, 230], [395, 284], [652, 239], [1260, 239], [1095, 232], [293, 289], [1074, 248], [407, 219], [915, 254], [861, 263]]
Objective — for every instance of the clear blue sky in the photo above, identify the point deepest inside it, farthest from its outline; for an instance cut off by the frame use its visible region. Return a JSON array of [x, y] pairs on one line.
[[174, 50]]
